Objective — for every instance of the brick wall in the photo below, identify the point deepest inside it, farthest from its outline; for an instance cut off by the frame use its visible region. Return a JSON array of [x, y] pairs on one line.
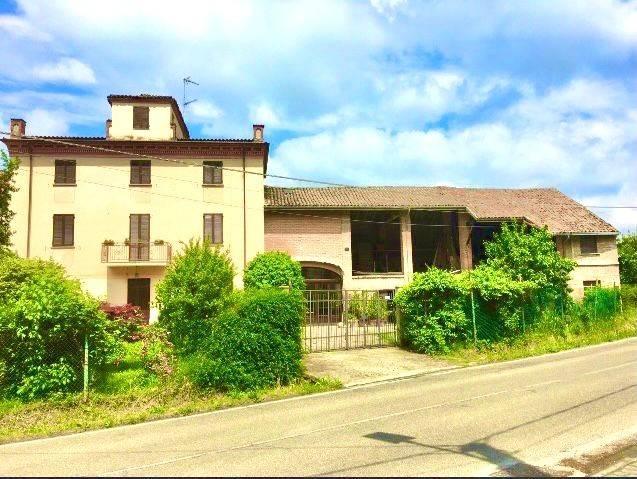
[[310, 236]]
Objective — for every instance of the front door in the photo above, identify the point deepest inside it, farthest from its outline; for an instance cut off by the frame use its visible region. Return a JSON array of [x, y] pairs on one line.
[[139, 294], [139, 237]]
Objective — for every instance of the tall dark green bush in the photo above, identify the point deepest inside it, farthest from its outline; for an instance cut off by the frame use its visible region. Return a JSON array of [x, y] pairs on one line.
[[627, 251], [197, 287], [499, 301], [8, 171], [432, 311], [528, 254], [273, 268], [600, 303], [256, 344], [44, 317]]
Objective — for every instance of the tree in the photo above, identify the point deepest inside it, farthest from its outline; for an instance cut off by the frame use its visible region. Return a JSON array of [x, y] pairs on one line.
[[273, 268], [9, 167], [529, 254], [627, 249], [197, 287]]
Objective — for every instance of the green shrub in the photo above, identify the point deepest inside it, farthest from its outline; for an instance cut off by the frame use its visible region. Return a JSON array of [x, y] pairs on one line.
[[367, 305], [44, 317], [528, 254], [629, 295], [196, 288], [627, 251], [432, 311], [600, 303], [273, 268], [256, 344], [157, 352], [499, 301]]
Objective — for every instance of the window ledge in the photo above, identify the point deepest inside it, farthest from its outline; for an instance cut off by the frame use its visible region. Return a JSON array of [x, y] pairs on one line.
[[64, 184], [212, 185], [63, 247], [145, 185], [590, 254], [377, 275]]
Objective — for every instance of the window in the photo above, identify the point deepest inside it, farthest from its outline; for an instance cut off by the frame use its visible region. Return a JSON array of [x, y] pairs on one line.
[[63, 230], [64, 172], [140, 118], [212, 173], [588, 244], [140, 172], [591, 283], [139, 232], [213, 228]]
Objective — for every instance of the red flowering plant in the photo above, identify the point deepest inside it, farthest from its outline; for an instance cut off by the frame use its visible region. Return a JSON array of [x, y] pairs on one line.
[[128, 318]]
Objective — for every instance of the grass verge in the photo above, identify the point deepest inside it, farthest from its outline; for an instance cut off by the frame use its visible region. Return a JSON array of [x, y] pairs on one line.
[[127, 394], [542, 341]]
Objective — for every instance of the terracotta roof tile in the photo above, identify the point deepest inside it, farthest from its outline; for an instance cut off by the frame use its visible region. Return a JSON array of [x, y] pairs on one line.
[[539, 206]]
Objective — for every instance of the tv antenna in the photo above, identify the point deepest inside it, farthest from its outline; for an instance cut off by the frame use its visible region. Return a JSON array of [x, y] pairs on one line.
[[188, 81]]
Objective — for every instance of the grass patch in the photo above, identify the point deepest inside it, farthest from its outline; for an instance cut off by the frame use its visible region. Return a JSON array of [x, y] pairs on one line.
[[543, 340], [126, 394]]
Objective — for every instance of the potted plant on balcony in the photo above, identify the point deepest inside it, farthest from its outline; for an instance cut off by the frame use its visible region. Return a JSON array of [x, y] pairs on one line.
[[159, 242], [108, 242], [127, 242]]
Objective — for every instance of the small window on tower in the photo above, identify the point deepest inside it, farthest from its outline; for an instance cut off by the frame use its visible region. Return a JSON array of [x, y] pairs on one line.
[[140, 117]]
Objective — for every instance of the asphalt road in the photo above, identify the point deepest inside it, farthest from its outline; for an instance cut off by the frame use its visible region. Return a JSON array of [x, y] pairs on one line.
[[462, 422]]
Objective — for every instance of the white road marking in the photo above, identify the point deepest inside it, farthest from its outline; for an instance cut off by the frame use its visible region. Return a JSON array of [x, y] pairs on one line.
[[120, 472], [597, 371]]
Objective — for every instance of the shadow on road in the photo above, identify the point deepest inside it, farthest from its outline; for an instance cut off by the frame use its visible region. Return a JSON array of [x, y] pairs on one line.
[[509, 464]]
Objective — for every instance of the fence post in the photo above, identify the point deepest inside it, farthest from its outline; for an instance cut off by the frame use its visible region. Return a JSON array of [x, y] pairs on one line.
[[473, 317], [523, 322], [85, 366], [346, 317]]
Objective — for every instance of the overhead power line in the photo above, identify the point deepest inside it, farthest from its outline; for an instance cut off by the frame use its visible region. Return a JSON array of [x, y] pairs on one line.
[[264, 175], [175, 160]]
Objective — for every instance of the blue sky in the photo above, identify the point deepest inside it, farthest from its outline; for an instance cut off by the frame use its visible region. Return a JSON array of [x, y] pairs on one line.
[[464, 93]]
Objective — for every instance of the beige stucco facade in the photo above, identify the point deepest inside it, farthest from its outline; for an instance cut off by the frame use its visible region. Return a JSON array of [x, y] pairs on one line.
[[163, 124], [601, 267], [102, 201]]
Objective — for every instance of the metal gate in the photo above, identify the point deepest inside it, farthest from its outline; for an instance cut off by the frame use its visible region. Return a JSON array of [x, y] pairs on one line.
[[340, 319]]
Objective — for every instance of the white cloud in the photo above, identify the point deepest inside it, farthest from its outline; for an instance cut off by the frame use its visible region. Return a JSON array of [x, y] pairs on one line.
[[204, 110], [556, 139], [264, 113], [535, 93], [388, 8], [66, 70], [46, 122], [21, 28]]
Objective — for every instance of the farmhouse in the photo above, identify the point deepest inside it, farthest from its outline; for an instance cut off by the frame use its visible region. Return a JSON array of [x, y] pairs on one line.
[[114, 209]]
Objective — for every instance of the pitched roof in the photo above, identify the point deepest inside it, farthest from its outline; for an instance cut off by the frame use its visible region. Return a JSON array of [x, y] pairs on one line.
[[146, 98], [539, 206]]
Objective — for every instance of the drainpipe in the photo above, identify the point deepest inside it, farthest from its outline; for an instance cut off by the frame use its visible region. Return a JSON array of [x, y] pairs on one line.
[[30, 203], [245, 232]]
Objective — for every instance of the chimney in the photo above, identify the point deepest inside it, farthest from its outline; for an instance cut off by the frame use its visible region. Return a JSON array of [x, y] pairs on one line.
[[257, 132], [109, 123], [17, 127]]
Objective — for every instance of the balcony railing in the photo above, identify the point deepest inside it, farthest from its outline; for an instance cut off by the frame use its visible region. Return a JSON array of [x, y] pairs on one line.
[[144, 252]]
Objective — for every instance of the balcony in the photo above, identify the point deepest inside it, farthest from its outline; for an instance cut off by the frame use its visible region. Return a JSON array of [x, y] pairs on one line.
[[127, 254]]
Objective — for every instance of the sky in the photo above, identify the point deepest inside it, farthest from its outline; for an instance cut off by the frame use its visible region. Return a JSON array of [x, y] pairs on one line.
[[369, 92]]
